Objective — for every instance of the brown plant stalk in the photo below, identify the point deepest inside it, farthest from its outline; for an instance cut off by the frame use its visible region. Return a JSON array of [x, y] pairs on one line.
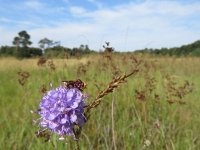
[[115, 83]]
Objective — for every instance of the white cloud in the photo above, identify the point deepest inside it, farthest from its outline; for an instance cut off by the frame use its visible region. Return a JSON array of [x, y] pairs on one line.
[[17, 22], [96, 3], [33, 4], [76, 10], [42, 7], [6, 20], [7, 36], [130, 26], [66, 1]]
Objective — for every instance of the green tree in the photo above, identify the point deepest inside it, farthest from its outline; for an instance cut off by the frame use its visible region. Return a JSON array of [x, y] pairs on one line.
[[45, 43], [22, 40], [16, 41]]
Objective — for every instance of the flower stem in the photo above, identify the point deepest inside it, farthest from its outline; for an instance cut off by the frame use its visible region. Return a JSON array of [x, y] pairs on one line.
[[77, 145]]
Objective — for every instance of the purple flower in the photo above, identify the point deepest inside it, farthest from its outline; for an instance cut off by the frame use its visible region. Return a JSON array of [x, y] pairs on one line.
[[61, 109]]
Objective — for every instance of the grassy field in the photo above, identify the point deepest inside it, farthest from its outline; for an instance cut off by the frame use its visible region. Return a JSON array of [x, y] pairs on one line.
[[158, 108]]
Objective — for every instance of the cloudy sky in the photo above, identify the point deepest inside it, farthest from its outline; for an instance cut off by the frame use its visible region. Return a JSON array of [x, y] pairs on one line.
[[127, 24]]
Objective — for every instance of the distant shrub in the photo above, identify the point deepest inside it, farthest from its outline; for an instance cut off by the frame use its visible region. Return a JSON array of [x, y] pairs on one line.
[[20, 52], [7, 51], [61, 52], [28, 52], [192, 49], [35, 52], [57, 51]]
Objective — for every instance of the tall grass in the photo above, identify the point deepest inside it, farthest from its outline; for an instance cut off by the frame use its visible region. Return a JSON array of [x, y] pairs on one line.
[[124, 120]]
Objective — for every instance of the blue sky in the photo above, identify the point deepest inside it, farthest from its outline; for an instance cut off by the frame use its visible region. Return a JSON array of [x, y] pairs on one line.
[[127, 24]]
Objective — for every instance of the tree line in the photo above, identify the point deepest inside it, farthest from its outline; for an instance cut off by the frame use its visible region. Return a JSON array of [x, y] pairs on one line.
[[22, 48], [192, 49]]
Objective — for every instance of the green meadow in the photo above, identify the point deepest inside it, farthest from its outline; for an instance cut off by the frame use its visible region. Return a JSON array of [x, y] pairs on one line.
[[158, 108]]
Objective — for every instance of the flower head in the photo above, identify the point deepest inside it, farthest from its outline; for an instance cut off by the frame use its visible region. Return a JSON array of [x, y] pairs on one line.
[[61, 109]]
